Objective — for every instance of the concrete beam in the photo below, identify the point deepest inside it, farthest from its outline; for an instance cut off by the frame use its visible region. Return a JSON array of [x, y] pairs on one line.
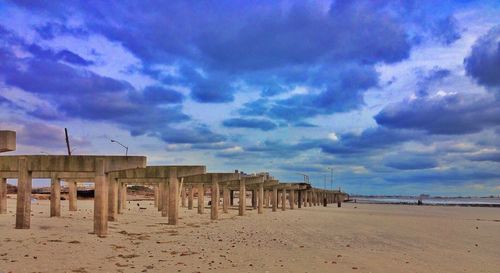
[[7, 141]]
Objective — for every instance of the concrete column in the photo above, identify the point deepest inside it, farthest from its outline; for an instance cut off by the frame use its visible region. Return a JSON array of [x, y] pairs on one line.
[[266, 199], [299, 199], [254, 199], [275, 198], [173, 202], [214, 209], [161, 189], [23, 209], [292, 199], [183, 196], [190, 197], [124, 196], [55, 197], [225, 198], [113, 200], [164, 199], [201, 198], [231, 197], [157, 191], [261, 199], [242, 199], [72, 195], [309, 197], [283, 199], [3, 195], [100, 199]]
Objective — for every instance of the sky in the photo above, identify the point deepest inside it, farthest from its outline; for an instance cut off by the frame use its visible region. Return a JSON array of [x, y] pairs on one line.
[[374, 97]]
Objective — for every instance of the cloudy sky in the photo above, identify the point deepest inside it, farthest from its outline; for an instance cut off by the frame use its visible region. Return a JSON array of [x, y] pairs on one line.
[[397, 97]]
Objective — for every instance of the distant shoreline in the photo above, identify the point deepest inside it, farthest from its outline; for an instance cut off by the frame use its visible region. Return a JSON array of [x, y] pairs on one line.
[[431, 203]]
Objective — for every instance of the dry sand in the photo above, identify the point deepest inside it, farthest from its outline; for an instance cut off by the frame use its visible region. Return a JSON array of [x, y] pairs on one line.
[[354, 238]]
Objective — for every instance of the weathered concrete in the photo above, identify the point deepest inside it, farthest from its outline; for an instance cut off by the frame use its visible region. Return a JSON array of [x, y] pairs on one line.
[[291, 198], [72, 195], [183, 196], [275, 198], [190, 197], [299, 199], [7, 141], [23, 209], [201, 198], [113, 200], [173, 202], [164, 199], [254, 199], [214, 209], [3, 195], [242, 198], [157, 195], [283, 199], [261, 199], [101, 199], [124, 195], [161, 188], [55, 197], [225, 198]]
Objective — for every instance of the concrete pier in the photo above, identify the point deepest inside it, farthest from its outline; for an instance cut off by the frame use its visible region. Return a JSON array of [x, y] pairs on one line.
[[261, 199], [242, 198], [164, 199], [100, 200], [254, 199], [225, 198], [157, 195], [23, 209], [190, 197], [3, 195], [173, 202], [72, 195], [55, 197], [113, 200], [201, 198], [283, 199], [291, 198], [214, 209], [275, 199], [183, 196]]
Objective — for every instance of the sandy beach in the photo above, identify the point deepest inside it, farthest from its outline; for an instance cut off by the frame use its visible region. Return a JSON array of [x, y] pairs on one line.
[[354, 238]]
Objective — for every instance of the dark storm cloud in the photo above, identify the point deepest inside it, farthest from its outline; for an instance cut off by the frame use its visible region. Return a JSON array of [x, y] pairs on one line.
[[483, 63], [450, 114], [261, 124]]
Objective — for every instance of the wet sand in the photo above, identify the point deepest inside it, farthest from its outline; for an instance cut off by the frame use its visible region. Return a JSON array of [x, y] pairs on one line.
[[354, 238]]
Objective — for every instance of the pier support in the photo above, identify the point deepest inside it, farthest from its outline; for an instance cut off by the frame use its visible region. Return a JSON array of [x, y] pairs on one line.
[[23, 209], [299, 199], [161, 189], [3, 195], [231, 197], [275, 199], [225, 198], [183, 196], [242, 198], [190, 197], [283, 199], [113, 200], [100, 200], [291, 198], [254, 199], [261, 199], [173, 201], [201, 198], [164, 199], [214, 208], [72, 195], [156, 195], [55, 197]]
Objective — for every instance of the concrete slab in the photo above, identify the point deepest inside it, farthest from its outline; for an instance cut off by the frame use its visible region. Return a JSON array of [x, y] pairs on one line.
[[7, 141]]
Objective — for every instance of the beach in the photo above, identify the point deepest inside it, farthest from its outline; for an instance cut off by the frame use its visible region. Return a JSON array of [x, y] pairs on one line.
[[354, 238]]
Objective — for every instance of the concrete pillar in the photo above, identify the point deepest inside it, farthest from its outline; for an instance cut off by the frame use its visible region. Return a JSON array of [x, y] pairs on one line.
[[72, 195], [214, 208], [275, 198], [299, 199], [124, 196], [309, 197], [190, 197], [266, 198], [283, 199], [164, 199], [242, 199], [173, 202], [183, 196], [231, 197], [55, 197], [254, 199], [225, 198], [3, 195], [23, 209], [157, 191], [292, 199], [261, 199], [201, 198], [113, 200], [100, 199], [161, 188]]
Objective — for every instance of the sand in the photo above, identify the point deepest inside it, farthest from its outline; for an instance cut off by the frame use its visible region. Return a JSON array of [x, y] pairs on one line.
[[354, 238]]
